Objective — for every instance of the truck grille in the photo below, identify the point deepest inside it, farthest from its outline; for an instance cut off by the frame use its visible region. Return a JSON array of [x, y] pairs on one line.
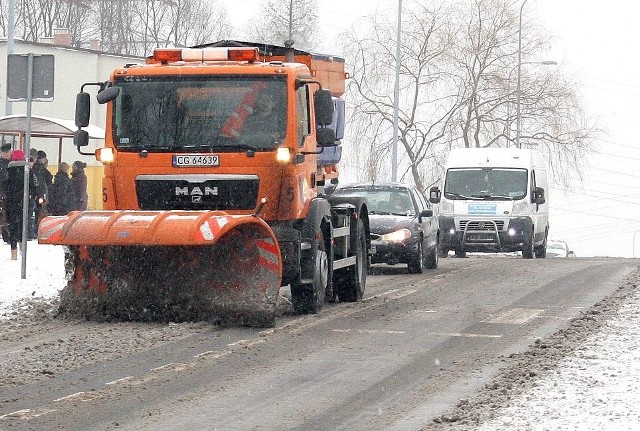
[[197, 192]]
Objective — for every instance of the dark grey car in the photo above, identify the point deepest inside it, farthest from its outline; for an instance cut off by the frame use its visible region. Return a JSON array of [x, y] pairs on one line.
[[404, 228]]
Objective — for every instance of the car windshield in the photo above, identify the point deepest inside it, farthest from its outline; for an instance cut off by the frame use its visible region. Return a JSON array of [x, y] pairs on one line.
[[382, 200], [486, 183], [198, 113]]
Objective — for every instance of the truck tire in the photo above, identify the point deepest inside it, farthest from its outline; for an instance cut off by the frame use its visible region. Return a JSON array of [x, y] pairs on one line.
[[443, 252], [416, 264], [308, 298], [349, 283]]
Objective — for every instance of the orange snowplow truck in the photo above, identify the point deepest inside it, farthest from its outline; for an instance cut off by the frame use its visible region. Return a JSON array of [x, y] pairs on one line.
[[215, 163]]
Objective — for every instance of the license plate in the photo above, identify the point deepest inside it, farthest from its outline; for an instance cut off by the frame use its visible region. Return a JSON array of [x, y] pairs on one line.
[[195, 160]]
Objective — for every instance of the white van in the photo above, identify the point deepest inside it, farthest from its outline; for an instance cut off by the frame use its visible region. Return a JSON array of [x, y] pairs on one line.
[[493, 200]]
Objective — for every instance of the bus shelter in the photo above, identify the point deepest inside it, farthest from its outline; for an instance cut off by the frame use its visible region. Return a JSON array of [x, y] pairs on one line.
[[13, 128]]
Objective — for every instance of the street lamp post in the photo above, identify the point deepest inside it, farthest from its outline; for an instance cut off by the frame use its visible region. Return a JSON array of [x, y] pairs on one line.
[[396, 100], [520, 64], [519, 68]]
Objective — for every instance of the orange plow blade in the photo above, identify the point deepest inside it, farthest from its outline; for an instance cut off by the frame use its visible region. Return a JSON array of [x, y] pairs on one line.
[[168, 265]]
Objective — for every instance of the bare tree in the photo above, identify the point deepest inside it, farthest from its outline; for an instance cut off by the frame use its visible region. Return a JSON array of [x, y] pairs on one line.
[[429, 95], [280, 21], [457, 89], [551, 118], [132, 27]]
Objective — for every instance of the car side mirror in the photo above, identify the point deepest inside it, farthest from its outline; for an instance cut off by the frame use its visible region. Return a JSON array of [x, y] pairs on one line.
[[426, 213]]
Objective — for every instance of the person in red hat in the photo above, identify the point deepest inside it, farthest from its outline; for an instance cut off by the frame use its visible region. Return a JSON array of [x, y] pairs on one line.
[[14, 198]]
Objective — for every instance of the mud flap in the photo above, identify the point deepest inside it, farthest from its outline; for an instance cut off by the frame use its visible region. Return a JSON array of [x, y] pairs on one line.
[[227, 269]]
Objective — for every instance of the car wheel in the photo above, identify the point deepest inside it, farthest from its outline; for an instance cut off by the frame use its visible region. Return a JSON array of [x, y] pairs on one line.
[[443, 252], [432, 257], [460, 252], [416, 264]]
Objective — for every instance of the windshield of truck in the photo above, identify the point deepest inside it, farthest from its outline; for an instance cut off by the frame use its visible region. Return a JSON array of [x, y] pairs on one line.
[[199, 113], [486, 184]]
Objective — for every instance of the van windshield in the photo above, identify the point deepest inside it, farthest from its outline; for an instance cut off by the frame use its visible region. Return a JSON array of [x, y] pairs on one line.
[[199, 113], [486, 183]]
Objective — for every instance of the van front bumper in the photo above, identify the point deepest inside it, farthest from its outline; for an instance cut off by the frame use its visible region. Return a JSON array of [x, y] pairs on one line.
[[483, 235]]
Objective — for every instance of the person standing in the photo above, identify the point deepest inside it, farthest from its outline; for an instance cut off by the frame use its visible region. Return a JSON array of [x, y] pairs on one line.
[[15, 201], [79, 181], [62, 193], [45, 179], [5, 158]]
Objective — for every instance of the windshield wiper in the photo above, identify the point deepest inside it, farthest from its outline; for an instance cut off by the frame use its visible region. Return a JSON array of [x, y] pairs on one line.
[[459, 196]]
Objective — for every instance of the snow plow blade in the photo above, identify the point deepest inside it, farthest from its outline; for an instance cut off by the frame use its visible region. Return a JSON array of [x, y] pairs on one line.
[[167, 266]]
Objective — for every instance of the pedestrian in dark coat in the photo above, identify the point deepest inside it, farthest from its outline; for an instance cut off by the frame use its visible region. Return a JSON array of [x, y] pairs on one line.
[[5, 158], [62, 198], [79, 181], [45, 180], [15, 192]]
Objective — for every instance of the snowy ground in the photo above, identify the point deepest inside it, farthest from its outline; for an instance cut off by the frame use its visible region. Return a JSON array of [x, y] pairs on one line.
[[585, 377]]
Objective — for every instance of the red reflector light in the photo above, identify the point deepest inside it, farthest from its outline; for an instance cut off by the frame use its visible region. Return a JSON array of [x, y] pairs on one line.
[[165, 55], [243, 54]]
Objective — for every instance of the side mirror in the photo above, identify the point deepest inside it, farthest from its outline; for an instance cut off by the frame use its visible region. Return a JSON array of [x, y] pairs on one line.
[[80, 138], [426, 213], [108, 94], [324, 107], [434, 195], [326, 137], [538, 196], [83, 109]]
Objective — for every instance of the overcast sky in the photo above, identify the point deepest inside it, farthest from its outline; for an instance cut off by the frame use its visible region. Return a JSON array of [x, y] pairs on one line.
[[595, 41]]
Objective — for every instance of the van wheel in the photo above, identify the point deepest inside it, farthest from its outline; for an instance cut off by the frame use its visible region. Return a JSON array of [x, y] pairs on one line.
[[527, 246], [460, 252], [541, 251]]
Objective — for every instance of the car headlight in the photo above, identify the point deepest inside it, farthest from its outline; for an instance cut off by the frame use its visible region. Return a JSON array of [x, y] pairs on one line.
[[446, 207], [397, 236]]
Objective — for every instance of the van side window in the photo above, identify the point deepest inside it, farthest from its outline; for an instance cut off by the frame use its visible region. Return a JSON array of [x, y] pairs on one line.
[[533, 186]]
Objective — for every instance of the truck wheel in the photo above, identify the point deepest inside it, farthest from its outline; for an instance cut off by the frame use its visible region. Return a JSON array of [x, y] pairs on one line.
[[460, 252], [308, 298], [527, 246], [349, 283], [443, 252], [416, 264]]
